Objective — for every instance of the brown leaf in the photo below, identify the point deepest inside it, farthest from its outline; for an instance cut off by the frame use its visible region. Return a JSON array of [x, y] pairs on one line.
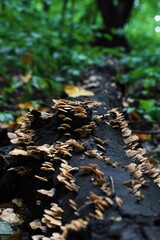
[[135, 116], [27, 59], [144, 136]]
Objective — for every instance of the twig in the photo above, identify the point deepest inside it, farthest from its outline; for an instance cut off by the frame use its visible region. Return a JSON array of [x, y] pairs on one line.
[[145, 132], [112, 184]]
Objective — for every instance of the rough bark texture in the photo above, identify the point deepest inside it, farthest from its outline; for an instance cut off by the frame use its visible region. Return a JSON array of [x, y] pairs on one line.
[[102, 185]]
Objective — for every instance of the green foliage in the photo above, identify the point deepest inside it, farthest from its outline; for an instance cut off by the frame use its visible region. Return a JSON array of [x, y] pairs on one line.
[[142, 80], [143, 29], [6, 116], [151, 110], [44, 42]]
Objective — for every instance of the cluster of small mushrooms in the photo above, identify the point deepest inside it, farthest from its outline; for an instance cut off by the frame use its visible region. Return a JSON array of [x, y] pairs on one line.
[[74, 120], [140, 164]]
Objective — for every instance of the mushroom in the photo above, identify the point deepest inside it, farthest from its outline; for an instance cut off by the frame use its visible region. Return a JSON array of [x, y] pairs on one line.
[[18, 151], [43, 179], [20, 170], [48, 193], [73, 204], [74, 225], [47, 166], [77, 145], [106, 160], [52, 218], [137, 174], [65, 125], [139, 195], [67, 119], [119, 201], [36, 224], [91, 153], [126, 132], [101, 147], [66, 177], [81, 115], [99, 141], [131, 167], [130, 139], [100, 203]]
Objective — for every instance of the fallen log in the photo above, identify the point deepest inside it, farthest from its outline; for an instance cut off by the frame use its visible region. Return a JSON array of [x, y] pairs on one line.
[[80, 171]]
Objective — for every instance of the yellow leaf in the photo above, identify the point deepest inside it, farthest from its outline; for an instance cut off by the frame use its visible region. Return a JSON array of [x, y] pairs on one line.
[[74, 91], [21, 118], [25, 105], [26, 78], [28, 106]]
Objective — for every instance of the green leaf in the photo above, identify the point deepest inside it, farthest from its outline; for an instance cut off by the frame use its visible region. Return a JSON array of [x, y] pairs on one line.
[[147, 105], [155, 113], [6, 117], [38, 82]]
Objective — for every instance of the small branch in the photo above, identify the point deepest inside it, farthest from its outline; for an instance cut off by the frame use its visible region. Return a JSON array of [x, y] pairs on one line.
[[145, 132], [112, 184]]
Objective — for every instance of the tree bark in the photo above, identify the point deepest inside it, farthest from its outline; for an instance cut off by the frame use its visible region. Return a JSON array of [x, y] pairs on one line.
[[114, 16], [96, 182]]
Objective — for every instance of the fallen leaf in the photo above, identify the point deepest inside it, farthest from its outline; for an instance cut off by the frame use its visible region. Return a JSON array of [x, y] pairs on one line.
[[21, 118], [7, 125], [25, 105], [74, 91], [15, 236], [26, 78], [134, 116], [27, 59], [143, 136]]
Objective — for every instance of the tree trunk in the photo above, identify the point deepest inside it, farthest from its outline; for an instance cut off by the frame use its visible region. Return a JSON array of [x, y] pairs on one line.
[[114, 16], [46, 5], [3, 5], [80, 171]]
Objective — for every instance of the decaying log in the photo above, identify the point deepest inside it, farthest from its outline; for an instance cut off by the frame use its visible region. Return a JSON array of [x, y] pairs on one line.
[[80, 171]]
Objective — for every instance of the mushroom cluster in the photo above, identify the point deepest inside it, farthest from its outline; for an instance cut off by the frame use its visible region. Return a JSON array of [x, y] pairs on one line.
[[52, 217], [24, 133], [93, 168], [66, 177], [141, 165], [100, 203], [74, 117]]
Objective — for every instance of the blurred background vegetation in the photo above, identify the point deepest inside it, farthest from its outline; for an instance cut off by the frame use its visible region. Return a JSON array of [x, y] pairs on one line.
[[46, 44]]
